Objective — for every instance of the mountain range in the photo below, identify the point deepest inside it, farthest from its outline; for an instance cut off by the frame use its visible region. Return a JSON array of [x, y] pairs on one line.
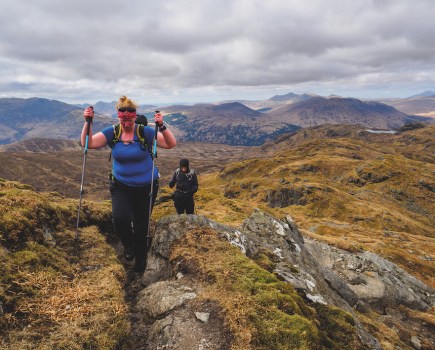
[[37, 117], [233, 123], [109, 108]]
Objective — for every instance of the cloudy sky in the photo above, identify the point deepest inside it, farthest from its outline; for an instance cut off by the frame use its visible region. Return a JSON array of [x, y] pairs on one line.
[[168, 51]]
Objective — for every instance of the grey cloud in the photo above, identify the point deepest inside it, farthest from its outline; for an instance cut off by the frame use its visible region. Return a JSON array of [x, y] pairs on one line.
[[95, 47]]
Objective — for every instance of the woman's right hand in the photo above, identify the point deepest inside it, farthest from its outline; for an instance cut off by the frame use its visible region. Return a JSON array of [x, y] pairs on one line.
[[88, 114]]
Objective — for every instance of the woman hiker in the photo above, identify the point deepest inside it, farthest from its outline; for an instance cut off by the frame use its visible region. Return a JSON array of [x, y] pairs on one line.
[[187, 186], [130, 182]]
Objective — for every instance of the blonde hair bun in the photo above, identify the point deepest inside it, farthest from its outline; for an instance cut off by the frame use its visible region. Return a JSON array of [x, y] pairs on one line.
[[125, 102]]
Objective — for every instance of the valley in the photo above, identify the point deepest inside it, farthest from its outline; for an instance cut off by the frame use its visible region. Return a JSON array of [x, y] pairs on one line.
[[56, 165]]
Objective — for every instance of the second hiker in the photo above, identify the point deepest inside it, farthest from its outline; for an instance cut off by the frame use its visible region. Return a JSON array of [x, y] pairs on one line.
[[132, 174], [187, 186]]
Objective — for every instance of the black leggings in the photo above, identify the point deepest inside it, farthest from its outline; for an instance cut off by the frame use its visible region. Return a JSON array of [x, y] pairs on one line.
[[131, 205]]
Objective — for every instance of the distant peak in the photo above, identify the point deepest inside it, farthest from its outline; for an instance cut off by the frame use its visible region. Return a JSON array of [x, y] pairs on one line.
[[232, 106], [424, 94], [285, 97]]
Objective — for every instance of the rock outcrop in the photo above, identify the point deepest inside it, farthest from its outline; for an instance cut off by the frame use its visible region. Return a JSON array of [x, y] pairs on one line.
[[321, 274]]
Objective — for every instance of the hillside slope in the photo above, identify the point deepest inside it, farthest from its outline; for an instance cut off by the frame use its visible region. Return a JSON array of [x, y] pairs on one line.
[[56, 165], [222, 287], [344, 186], [73, 291], [55, 293]]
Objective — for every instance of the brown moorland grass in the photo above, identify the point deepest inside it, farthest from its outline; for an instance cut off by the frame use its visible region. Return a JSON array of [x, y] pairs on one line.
[[372, 193], [56, 295]]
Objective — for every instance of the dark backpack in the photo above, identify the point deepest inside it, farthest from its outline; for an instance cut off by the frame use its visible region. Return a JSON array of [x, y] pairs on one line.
[[117, 130], [189, 174]]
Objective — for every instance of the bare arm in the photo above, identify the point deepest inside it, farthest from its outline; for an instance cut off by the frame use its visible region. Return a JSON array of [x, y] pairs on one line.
[[166, 139], [95, 141]]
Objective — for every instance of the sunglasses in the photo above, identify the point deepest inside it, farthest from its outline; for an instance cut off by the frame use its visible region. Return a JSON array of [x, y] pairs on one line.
[[127, 109], [127, 120]]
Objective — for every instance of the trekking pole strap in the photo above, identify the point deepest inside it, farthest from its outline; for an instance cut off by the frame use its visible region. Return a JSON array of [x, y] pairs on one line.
[[155, 141], [155, 137]]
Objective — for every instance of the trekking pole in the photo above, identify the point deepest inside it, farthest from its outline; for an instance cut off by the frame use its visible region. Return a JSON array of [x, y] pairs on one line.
[[85, 152], [154, 155]]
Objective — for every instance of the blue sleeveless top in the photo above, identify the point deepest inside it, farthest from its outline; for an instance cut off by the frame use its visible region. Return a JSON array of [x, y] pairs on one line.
[[132, 165]]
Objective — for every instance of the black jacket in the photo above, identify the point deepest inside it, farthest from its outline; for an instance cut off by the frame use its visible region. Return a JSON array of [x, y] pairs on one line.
[[187, 183]]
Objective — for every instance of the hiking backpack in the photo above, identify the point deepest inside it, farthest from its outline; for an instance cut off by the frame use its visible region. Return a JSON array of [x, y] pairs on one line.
[[189, 174]]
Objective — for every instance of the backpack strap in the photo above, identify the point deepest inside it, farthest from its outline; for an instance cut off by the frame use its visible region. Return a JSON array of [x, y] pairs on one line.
[[190, 174], [141, 135], [140, 132], [117, 130]]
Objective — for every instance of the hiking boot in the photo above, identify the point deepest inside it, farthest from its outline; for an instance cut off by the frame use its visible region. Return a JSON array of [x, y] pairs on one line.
[[129, 254]]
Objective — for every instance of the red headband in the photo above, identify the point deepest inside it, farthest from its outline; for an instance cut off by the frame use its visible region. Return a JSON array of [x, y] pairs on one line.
[[126, 115]]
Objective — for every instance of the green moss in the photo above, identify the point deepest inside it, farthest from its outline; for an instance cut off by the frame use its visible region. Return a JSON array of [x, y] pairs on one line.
[[337, 328], [25, 257], [280, 331], [24, 213], [50, 257], [275, 299], [264, 260]]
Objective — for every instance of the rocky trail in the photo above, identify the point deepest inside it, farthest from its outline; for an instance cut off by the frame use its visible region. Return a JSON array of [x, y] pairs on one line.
[[139, 321], [161, 316]]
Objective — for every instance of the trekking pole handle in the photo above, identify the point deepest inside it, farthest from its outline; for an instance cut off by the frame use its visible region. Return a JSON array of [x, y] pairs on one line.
[[155, 137], [88, 126]]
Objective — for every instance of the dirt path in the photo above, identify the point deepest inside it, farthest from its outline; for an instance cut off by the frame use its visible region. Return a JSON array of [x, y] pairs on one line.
[[140, 323]]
